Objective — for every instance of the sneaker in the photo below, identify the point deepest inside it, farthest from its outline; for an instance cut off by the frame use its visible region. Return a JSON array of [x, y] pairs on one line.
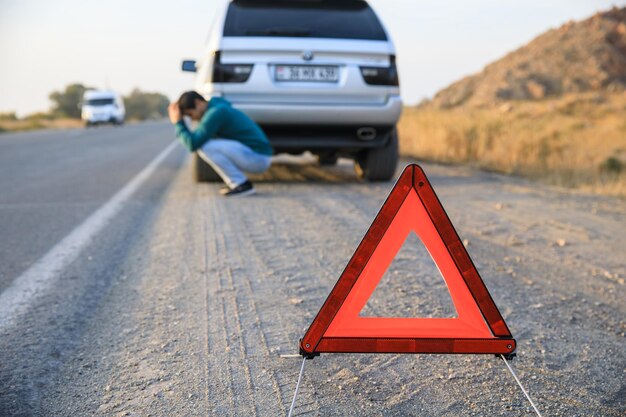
[[239, 191], [224, 189]]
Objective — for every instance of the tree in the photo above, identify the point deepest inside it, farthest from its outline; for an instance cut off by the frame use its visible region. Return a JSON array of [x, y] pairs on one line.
[[66, 103], [141, 105]]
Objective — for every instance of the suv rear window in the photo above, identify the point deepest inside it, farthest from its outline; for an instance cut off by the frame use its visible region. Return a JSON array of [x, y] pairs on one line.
[[344, 19]]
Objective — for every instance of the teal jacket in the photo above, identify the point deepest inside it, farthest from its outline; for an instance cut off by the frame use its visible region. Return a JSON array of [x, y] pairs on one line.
[[222, 120]]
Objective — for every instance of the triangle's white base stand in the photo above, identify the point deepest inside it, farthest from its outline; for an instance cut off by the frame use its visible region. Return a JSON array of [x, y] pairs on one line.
[[295, 394], [520, 385]]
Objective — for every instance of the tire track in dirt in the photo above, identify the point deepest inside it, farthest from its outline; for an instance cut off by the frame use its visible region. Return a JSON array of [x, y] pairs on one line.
[[220, 382], [229, 348], [206, 250], [266, 334], [245, 311], [261, 329]]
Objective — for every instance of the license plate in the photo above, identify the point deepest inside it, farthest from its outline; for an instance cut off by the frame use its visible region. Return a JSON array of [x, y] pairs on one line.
[[307, 73]]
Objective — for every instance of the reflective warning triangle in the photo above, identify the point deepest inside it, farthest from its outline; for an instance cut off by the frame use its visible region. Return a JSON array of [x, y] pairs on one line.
[[412, 206]]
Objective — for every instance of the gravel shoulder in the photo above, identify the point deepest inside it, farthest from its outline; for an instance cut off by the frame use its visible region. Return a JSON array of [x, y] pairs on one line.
[[185, 305]]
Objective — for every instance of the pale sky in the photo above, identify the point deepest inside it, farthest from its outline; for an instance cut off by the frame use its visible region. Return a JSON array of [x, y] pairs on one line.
[[48, 44]]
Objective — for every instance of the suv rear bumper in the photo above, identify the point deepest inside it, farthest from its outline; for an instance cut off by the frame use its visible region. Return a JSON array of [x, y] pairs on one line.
[[329, 139], [360, 115]]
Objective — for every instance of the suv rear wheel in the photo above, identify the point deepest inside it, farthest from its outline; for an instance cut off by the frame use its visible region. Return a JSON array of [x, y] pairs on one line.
[[203, 172], [379, 164]]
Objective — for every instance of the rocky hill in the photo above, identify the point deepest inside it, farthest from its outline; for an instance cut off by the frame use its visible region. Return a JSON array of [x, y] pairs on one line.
[[589, 55]]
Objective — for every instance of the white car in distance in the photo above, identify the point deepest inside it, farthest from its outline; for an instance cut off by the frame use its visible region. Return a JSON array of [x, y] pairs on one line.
[[99, 106], [317, 75]]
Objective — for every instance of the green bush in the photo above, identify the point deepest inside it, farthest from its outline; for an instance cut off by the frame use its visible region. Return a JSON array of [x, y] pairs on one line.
[[67, 102], [612, 165], [143, 106]]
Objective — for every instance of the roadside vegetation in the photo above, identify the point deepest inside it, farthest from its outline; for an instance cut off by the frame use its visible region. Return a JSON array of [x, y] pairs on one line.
[[551, 110], [65, 110], [9, 122], [577, 140]]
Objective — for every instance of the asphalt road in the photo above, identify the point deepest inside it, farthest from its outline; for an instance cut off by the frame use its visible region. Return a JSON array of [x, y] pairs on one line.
[[127, 290], [50, 181]]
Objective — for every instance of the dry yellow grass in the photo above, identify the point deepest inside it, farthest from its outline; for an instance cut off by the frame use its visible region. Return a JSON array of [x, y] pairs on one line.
[[576, 141], [38, 123]]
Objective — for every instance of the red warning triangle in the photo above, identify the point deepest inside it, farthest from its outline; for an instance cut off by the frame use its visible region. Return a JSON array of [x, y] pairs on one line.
[[412, 206]]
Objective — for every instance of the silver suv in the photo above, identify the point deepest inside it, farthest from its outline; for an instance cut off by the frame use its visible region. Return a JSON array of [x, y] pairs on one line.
[[317, 75]]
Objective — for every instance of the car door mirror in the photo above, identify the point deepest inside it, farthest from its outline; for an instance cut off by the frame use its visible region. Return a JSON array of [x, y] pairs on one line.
[[189, 66]]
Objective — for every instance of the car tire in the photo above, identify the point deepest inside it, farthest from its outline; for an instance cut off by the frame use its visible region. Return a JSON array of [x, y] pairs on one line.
[[203, 172], [379, 164]]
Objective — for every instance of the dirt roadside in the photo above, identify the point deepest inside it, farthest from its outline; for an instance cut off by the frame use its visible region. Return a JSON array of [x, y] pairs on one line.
[[213, 291]]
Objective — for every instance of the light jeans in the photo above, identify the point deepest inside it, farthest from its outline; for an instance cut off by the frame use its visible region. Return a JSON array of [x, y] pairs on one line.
[[230, 158]]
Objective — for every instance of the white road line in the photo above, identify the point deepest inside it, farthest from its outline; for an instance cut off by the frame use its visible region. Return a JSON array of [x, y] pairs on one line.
[[43, 274]]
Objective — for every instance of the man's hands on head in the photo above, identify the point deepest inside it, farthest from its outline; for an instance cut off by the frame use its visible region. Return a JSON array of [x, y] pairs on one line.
[[174, 113]]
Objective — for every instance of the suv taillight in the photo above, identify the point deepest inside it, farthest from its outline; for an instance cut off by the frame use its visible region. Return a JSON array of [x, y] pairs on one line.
[[381, 75], [230, 73]]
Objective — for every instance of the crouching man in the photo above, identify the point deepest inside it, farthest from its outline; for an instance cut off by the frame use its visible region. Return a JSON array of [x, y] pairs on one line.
[[225, 138]]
